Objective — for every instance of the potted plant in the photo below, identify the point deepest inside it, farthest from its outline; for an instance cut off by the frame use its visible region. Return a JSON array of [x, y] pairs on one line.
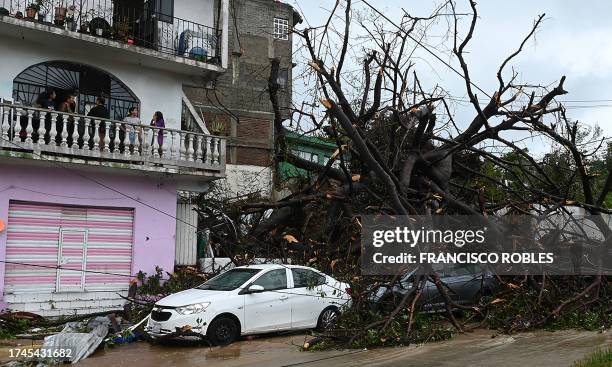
[[60, 14], [32, 10], [70, 21], [121, 30], [217, 127]]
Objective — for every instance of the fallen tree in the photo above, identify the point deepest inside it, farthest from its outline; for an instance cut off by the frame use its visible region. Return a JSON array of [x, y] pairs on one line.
[[401, 151]]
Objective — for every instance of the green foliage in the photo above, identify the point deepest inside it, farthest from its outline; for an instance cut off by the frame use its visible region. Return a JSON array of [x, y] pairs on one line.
[[525, 309], [160, 284], [600, 358], [10, 327]]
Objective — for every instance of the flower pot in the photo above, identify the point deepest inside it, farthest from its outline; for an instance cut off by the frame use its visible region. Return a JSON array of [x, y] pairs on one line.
[[60, 16], [71, 25], [99, 32], [30, 13], [60, 12]]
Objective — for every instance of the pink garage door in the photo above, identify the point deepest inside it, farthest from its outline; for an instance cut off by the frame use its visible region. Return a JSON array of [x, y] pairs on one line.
[[53, 248]]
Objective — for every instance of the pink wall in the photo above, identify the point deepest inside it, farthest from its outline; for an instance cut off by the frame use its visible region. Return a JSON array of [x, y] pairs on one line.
[[154, 232]]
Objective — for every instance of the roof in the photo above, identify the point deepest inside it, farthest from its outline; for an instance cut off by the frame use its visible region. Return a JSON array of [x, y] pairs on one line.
[[309, 140]]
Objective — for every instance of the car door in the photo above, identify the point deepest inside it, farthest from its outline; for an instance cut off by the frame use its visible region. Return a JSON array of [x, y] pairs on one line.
[[308, 299], [269, 310]]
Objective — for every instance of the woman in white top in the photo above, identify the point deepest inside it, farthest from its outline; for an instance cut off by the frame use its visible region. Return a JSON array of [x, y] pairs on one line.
[[132, 118]]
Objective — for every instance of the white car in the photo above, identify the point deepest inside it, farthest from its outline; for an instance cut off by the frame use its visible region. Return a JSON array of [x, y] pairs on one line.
[[251, 300]]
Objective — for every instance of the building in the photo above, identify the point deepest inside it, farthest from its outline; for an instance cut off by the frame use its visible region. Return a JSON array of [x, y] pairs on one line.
[[88, 202], [238, 100], [311, 148]]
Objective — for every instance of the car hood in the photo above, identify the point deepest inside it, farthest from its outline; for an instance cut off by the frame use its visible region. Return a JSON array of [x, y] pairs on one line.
[[191, 296]]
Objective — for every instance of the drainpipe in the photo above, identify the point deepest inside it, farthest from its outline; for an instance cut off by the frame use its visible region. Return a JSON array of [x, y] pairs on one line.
[[224, 32]]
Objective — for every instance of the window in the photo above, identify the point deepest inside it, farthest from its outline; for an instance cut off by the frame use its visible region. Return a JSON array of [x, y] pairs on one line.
[[306, 278], [229, 280], [275, 279], [314, 158], [283, 77], [281, 28]]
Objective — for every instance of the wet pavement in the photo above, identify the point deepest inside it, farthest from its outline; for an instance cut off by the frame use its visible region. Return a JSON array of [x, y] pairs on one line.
[[542, 349]]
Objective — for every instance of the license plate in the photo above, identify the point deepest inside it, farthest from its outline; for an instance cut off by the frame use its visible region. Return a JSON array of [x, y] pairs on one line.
[[155, 327]]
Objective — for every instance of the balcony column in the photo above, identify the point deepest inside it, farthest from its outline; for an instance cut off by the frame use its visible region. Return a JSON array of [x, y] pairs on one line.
[[190, 149], [198, 149], [137, 138], [6, 126], [53, 130], [145, 141], [64, 143], [215, 151], [126, 140], [116, 140], [96, 136], [182, 150], [164, 147], [29, 127], [174, 149], [86, 136], [75, 134], [209, 145], [155, 142], [106, 136], [41, 129]]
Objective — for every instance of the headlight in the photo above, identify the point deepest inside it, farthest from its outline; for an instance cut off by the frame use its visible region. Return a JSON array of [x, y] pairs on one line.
[[191, 309]]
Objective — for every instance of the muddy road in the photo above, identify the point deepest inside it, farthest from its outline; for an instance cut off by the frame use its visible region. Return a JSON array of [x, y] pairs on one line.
[[542, 349]]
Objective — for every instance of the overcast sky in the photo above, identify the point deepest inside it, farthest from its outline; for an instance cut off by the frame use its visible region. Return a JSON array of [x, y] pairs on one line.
[[575, 40]]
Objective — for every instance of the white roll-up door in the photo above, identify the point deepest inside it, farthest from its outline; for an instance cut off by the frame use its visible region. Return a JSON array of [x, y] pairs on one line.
[[56, 248]]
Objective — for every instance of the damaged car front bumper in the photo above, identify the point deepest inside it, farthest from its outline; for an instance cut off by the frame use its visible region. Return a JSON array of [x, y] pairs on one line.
[[166, 321]]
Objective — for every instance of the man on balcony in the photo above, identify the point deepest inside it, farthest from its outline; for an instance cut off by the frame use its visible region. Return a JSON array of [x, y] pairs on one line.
[[100, 111]]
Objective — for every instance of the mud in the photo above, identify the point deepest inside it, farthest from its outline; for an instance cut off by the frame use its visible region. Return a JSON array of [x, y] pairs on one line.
[[480, 348]]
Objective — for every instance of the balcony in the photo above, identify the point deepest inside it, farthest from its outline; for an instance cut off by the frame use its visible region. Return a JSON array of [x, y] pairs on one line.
[[46, 135], [129, 28]]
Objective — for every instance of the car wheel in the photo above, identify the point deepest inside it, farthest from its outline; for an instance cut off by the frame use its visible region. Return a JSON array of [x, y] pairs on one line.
[[222, 331], [328, 318]]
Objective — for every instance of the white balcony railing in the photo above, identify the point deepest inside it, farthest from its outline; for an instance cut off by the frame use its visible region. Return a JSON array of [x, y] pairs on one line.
[[55, 134]]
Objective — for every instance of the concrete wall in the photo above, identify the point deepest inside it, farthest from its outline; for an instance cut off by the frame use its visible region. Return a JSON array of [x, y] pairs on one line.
[[156, 89], [154, 232], [244, 179]]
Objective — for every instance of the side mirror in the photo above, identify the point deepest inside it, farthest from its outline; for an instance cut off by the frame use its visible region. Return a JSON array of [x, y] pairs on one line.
[[256, 289]]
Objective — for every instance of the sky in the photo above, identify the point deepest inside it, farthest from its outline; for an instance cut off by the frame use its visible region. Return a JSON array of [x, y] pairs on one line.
[[575, 39]]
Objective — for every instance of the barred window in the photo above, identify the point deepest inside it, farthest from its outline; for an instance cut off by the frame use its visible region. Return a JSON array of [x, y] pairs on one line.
[[281, 28]]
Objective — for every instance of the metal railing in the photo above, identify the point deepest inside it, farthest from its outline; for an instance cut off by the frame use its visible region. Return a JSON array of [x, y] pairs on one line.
[[138, 24], [32, 129]]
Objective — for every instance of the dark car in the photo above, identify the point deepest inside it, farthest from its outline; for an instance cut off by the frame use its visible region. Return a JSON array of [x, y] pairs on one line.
[[466, 284]]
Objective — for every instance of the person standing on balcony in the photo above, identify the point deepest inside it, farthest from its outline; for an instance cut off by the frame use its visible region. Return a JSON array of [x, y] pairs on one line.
[[46, 99], [100, 111], [158, 121], [133, 119], [68, 106]]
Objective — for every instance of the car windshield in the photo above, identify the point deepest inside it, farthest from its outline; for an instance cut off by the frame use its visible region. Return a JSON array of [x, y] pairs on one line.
[[229, 280]]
